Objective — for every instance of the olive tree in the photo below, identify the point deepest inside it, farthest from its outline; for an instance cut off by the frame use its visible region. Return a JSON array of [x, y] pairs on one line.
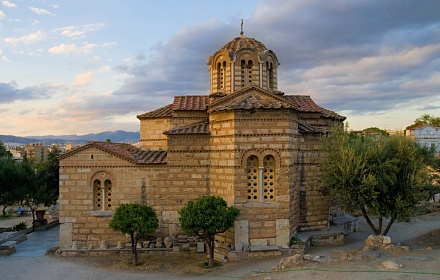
[[15, 180], [384, 177], [136, 220], [207, 216]]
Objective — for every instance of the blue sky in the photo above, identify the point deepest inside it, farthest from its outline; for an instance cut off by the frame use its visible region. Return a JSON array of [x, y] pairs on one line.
[[77, 67]]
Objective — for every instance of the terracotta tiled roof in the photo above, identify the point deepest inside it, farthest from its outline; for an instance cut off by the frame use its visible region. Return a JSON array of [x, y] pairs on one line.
[[190, 103], [197, 128], [243, 42], [181, 103], [251, 97], [165, 111], [124, 151], [306, 104], [303, 102], [306, 128], [330, 114]]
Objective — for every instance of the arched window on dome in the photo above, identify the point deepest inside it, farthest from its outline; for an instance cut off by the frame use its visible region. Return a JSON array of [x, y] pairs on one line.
[[269, 69], [246, 72], [221, 72]]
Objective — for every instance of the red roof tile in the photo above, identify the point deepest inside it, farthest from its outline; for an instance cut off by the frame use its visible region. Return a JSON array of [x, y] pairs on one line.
[[125, 151], [190, 103], [165, 111], [197, 128]]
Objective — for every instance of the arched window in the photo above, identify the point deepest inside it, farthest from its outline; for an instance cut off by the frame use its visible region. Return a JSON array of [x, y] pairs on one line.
[[260, 179], [269, 67], [253, 192], [219, 70], [102, 195], [246, 72], [221, 73], [243, 74], [269, 178], [249, 66]]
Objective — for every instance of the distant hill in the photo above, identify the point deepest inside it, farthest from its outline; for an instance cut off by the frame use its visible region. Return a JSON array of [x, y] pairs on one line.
[[119, 136]]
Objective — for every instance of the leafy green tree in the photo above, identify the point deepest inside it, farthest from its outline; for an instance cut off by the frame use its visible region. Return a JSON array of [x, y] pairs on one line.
[[137, 220], [15, 179], [426, 119], [384, 177], [206, 216], [47, 179], [3, 152], [375, 130]]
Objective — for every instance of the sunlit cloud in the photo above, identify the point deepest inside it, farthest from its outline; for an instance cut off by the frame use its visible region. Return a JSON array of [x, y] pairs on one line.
[[9, 4], [40, 11], [27, 39], [2, 14], [79, 31], [83, 79], [72, 48]]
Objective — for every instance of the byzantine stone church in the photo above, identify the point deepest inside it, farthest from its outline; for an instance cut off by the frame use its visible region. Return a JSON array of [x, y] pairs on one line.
[[247, 141]]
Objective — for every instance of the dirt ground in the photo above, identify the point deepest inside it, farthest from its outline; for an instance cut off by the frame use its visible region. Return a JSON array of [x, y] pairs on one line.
[[422, 261]]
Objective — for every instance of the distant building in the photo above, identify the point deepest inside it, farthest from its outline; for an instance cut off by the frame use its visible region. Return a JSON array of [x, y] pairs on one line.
[[18, 152], [70, 146], [427, 135], [37, 151]]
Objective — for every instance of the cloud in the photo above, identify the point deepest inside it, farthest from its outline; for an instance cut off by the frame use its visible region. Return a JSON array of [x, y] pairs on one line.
[[27, 39], [79, 31], [40, 11], [9, 4], [2, 14], [83, 79], [72, 48], [3, 57], [10, 92]]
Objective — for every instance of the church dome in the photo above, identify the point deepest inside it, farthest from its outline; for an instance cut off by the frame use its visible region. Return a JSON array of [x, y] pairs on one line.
[[243, 42], [240, 63]]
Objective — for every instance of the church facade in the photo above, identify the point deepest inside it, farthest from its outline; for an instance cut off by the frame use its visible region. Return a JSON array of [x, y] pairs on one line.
[[245, 141]]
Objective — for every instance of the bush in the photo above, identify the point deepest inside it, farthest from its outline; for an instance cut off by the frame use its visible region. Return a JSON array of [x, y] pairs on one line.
[[295, 241], [19, 226]]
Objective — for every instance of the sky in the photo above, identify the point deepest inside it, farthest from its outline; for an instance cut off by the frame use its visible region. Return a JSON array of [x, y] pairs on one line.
[[78, 67]]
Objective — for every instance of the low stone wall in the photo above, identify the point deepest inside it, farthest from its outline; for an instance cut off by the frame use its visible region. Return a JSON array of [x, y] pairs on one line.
[[112, 251]]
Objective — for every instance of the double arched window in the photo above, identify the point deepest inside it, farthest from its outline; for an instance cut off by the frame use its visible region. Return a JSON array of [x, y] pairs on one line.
[[260, 178], [102, 192]]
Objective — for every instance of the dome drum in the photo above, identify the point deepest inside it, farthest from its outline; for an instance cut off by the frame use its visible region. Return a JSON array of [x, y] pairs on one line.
[[240, 63]]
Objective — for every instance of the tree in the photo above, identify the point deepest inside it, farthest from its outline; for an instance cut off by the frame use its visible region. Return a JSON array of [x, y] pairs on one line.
[[426, 119], [47, 179], [384, 177], [207, 216], [137, 220], [3, 152], [15, 179], [375, 130]]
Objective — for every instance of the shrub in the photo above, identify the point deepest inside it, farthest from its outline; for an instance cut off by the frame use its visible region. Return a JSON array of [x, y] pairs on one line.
[[19, 226]]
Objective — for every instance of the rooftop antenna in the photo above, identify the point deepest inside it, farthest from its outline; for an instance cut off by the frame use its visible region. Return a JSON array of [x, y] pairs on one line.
[[241, 31]]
